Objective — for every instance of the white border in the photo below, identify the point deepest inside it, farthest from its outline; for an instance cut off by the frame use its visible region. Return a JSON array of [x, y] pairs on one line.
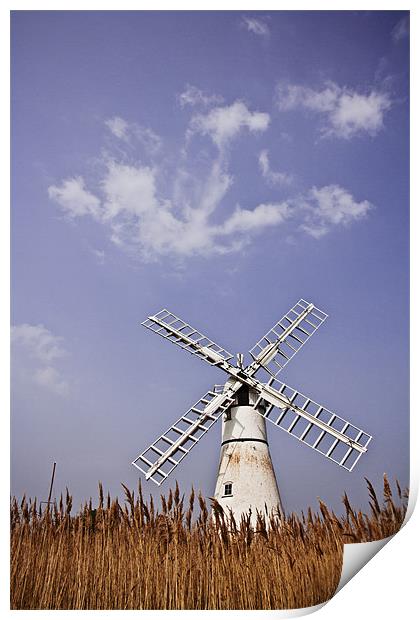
[[386, 586]]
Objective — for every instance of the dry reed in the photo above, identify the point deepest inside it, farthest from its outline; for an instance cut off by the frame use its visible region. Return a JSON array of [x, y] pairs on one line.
[[136, 556]]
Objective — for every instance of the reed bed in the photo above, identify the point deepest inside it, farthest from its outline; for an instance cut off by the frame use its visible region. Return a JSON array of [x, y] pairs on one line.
[[184, 554]]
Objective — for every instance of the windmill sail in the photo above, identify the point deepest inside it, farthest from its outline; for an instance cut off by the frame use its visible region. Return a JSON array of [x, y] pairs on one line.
[[171, 327], [277, 347], [315, 425], [164, 454]]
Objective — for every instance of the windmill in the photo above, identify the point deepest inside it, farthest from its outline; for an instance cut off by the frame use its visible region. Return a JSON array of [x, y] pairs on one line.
[[251, 395]]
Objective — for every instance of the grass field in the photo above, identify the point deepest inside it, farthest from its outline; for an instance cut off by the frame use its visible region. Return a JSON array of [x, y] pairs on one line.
[[136, 556]]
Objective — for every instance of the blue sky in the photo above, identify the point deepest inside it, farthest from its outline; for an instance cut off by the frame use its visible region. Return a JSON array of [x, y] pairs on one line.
[[223, 165]]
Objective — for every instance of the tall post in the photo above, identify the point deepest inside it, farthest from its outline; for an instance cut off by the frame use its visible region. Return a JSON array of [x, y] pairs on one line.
[[51, 485]]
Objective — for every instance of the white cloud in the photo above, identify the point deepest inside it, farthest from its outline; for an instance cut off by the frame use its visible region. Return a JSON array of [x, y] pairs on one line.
[[74, 199], [152, 224], [161, 210], [118, 127], [39, 341], [139, 220], [291, 96], [193, 96], [329, 206], [35, 351], [347, 113], [256, 26], [263, 216], [401, 29], [130, 132], [222, 124], [272, 177], [357, 113], [129, 190]]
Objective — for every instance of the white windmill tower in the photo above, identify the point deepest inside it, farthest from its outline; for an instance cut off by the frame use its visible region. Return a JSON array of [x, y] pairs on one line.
[[251, 395]]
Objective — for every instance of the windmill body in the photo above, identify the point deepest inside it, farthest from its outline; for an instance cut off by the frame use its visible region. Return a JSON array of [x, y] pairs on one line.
[[251, 395], [246, 482]]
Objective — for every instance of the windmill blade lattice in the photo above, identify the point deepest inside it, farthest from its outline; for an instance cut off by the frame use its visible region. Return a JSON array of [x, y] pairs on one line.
[[289, 334], [164, 454], [174, 329], [316, 426]]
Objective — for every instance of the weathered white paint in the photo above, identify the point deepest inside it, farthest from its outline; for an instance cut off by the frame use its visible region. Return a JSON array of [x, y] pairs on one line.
[[246, 465]]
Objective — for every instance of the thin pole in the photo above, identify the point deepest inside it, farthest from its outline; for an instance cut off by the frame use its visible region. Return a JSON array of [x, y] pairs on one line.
[[52, 482]]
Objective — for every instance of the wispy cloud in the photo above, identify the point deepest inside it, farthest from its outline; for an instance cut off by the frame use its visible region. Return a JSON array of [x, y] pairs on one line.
[[35, 352], [141, 221], [346, 112], [193, 96], [223, 124], [133, 132], [271, 176], [328, 207], [256, 25], [118, 127], [153, 211], [99, 255], [401, 30], [74, 199]]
